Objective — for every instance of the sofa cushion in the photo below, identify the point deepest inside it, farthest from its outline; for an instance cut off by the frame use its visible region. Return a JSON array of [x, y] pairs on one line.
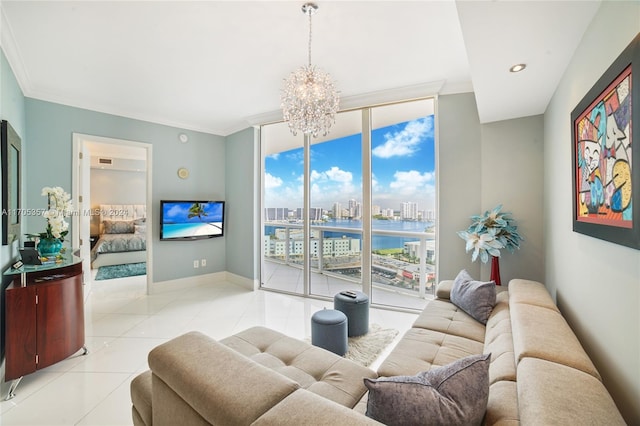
[[502, 407], [539, 332], [315, 369], [531, 293], [421, 349], [499, 341], [476, 298], [551, 393], [455, 394], [444, 316]]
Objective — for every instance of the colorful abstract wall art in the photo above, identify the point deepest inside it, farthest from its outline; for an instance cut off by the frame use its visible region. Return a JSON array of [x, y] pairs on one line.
[[605, 183]]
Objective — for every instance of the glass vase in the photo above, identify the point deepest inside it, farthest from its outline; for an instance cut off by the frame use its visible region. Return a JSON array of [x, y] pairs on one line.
[[49, 247]]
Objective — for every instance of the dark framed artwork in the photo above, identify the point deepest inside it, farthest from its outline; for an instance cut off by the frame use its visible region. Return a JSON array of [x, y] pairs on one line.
[[606, 165], [10, 151]]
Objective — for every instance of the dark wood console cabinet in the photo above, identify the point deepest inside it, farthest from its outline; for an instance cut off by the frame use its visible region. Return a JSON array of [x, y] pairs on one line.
[[44, 317]]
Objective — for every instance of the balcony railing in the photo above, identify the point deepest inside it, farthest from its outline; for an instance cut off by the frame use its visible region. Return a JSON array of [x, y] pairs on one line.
[[401, 261]]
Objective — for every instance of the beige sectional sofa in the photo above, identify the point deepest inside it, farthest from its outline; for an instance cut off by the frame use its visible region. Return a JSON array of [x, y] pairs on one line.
[[256, 377], [539, 373]]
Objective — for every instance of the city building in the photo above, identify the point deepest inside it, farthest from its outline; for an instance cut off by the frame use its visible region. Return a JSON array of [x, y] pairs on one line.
[[409, 211]]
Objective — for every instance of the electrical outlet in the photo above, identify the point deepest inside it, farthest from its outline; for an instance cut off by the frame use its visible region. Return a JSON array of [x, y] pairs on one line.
[[203, 262], [195, 264]]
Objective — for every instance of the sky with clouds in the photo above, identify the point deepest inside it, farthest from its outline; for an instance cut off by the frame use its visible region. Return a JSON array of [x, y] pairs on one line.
[[402, 162]]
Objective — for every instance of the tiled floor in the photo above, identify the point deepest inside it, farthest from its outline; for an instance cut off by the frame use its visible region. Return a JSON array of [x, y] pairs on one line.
[[122, 325]]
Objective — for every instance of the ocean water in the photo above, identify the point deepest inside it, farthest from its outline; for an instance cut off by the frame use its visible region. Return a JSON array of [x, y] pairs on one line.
[[378, 241]]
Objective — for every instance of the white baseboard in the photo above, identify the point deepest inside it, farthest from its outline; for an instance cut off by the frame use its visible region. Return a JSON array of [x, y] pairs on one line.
[[247, 283], [189, 282]]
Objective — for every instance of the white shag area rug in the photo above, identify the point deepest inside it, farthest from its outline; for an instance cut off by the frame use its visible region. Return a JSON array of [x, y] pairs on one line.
[[365, 349]]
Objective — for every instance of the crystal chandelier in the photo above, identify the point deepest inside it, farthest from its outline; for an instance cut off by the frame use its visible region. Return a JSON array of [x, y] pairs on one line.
[[309, 98]]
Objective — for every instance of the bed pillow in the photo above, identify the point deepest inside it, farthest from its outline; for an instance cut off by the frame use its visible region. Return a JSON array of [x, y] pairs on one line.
[[454, 394], [118, 226], [476, 298]]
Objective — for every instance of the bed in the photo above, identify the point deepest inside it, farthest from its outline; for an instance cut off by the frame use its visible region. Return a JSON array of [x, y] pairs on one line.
[[122, 235]]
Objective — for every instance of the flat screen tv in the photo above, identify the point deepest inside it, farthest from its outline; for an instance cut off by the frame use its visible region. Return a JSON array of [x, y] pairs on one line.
[[191, 219]]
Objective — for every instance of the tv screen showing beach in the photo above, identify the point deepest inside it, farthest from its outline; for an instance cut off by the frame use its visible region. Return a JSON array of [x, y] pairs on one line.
[[189, 220]]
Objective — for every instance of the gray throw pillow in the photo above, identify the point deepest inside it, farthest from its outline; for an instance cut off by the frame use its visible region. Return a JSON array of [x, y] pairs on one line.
[[476, 298], [118, 226], [454, 394]]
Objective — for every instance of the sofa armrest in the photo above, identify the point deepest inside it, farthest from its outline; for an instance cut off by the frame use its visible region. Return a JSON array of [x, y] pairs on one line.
[[195, 377], [141, 399], [443, 289]]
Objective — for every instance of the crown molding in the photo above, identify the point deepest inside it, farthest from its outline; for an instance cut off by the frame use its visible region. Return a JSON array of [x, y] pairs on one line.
[[8, 44], [380, 97]]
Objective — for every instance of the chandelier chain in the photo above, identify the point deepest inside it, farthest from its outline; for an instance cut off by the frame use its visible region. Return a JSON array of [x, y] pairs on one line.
[[310, 32]]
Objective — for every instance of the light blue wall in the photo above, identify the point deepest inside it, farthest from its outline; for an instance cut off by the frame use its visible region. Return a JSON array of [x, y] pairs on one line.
[[512, 159], [458, 177], [12, 100], [50, 128], [12, 109], [481, 166], [242, 178], [596, 283]]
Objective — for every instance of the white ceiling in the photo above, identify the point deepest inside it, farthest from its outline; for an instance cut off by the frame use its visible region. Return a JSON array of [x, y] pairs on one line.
[[218, 66]]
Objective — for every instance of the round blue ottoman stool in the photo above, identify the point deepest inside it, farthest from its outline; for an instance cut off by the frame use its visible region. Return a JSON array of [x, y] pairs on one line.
[[355, 305], [329, 331]]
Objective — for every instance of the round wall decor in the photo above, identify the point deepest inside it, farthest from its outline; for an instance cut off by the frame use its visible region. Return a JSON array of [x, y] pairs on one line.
[[183, 173]]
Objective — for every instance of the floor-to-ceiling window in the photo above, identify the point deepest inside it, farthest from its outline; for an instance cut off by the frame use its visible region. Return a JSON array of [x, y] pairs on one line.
[[371, 217], [403, 203], [336, 203], [283, 232]]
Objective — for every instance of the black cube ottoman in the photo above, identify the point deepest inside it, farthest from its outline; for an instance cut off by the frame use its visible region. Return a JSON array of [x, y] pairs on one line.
[[357, 311], [329, 331]]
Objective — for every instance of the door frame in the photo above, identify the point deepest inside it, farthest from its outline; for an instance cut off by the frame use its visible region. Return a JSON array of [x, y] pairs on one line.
[[80, 145]]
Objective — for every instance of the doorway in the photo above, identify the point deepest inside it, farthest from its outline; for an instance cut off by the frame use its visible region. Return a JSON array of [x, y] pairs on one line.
[[84, 147]]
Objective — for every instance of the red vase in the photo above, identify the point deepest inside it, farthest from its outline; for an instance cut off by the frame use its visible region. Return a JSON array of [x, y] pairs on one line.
[[495, 269]]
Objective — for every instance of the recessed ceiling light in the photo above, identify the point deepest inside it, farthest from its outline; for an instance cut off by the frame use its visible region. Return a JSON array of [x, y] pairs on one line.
[[517, 68]]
